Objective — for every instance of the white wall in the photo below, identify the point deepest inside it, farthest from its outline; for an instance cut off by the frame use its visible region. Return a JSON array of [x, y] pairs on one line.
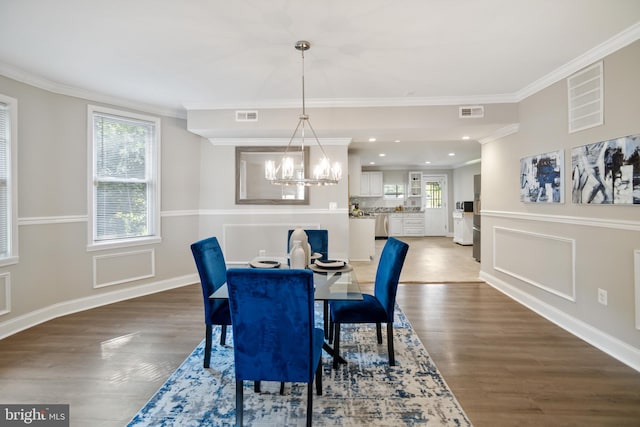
[[463, 182], [527, 247], [55, 274]]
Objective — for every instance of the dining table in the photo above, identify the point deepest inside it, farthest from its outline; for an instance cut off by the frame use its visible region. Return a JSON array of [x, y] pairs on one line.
[[330, 284]]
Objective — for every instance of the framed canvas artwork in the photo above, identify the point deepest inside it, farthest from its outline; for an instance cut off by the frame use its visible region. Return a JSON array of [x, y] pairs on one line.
[[541, 178], [607, 172]]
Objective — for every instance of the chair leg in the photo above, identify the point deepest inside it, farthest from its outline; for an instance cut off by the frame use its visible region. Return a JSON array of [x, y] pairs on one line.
[[336, 344], [223, 335], [326, 319], [319, 378], [207, 346], [281, 388], [392, 357], [330, 331], [256, 386], [309, 404], [379, 332], [239, 403]]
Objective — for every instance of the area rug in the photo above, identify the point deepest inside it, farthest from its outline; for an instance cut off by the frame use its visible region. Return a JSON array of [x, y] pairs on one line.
[[364, 392]]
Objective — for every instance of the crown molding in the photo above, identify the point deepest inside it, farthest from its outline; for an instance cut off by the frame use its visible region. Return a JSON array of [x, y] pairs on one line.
[[355, 102], [620, 40], [266, 142], [467, 163], [615, 43], [89, 95], [501, 133]]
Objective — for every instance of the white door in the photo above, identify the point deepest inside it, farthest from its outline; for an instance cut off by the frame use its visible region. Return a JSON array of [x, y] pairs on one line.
[[434, 198]]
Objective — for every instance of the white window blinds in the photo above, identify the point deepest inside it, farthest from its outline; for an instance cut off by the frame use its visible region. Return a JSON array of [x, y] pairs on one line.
[[4, 181], [123, 177]]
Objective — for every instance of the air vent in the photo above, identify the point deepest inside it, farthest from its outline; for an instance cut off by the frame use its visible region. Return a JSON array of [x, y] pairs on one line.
[[472, 112], [246, 116], [585, 90]]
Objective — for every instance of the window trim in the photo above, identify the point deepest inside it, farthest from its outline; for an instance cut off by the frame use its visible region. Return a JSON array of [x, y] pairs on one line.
[[154, 164], [12, 185]]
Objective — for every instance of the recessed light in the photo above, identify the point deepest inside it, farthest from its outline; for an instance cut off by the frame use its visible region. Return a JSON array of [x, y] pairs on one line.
[[396, 141], [381, 155], [427, 162], [372, 140], [372, 163], [452, 154], [465, 137]]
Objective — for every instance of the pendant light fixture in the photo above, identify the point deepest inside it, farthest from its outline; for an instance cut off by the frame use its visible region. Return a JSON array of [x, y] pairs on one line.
[[289, 172]]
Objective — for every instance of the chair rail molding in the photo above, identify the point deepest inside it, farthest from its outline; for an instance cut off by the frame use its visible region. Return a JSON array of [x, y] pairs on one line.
[[272, 211], [617, 224], [46, 220]]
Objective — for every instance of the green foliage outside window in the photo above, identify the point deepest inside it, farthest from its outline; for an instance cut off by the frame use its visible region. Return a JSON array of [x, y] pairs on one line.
[[433, 195], [122, 187]]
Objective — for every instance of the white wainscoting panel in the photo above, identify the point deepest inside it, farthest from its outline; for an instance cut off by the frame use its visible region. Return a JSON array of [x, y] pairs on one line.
[[636, 269], [123, 267], [242, 242], [547, 262], [5, 293]]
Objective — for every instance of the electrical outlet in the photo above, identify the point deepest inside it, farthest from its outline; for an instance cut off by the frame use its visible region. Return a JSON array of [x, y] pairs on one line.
[[602, 296]]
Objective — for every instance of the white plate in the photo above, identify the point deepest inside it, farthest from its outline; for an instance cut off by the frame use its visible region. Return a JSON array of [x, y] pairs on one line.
[[343, 269], [265, 264]]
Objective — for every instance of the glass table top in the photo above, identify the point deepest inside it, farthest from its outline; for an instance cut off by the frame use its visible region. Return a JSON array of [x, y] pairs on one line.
[[329, 285]]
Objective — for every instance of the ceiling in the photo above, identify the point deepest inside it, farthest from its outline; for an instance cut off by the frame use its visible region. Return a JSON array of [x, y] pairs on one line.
[[172, 56]]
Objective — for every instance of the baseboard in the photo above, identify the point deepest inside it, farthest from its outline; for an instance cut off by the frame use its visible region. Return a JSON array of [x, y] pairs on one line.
[[34, 318], [612, 346]]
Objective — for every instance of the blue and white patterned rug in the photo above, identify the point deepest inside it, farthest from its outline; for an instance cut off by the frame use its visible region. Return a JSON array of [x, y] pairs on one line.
[[366, 391]]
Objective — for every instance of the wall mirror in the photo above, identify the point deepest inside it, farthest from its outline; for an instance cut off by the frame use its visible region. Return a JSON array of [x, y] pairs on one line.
[[252, 188]]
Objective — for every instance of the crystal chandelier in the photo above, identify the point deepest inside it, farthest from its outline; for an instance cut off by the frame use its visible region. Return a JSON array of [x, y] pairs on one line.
[[288, 172]]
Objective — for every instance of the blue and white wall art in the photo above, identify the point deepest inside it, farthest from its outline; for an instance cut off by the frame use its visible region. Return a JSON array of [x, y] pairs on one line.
[[542, 178], [607, 172]]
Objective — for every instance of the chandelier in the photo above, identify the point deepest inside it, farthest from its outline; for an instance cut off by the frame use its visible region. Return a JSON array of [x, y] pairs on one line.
[[290, 172]]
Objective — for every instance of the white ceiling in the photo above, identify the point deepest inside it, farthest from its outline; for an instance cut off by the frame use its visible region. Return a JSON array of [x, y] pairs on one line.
[[170, 56]]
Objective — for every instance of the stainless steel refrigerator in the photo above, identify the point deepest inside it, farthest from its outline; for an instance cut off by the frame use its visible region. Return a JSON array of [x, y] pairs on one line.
[[476, 217]]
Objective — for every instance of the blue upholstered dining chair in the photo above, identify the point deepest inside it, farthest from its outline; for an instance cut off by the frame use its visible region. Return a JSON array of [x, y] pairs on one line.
[[377, 308], [318, 239], [274, 336], [213, 274]]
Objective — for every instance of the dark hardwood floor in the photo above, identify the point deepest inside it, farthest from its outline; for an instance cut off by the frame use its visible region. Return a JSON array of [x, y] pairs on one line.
[[506, 365], [509, 366]]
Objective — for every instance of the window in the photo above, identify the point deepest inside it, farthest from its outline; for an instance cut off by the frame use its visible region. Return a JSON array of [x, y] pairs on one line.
[[125, 202], [394, 191], [8, 174], [433, 195]]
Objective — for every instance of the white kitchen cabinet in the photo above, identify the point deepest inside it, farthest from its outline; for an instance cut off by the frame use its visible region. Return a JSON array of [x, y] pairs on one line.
[[395, 224], [371, 184], [406, 224], [463, 227], [362, 239], [415, 184], [413, 224]]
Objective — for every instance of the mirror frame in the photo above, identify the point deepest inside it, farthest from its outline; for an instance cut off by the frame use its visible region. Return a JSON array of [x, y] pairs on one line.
[[277, 153]]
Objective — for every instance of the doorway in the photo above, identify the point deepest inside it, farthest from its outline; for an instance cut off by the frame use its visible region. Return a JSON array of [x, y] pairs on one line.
[[434, 198]]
